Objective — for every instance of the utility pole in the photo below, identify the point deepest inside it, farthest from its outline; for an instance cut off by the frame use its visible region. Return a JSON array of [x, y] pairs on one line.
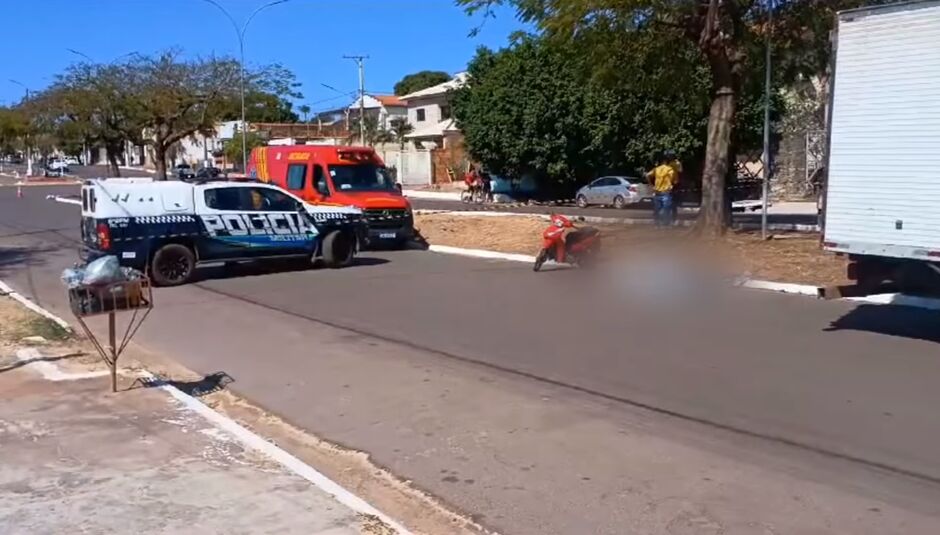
[[29, 154], [767, 90], [362, 96]]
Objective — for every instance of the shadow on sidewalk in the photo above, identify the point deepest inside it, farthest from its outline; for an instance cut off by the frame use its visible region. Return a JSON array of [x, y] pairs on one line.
[[21, 363], [211, 383]]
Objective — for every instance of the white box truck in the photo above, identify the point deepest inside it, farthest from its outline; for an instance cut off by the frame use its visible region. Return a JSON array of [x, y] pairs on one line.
[[882, 192]]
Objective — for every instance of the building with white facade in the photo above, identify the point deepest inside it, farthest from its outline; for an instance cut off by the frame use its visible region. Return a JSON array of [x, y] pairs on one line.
[[431, 115]]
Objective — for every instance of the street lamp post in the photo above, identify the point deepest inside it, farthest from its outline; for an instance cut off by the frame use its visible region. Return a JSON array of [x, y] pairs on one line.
[[240, 33], [29, 153]]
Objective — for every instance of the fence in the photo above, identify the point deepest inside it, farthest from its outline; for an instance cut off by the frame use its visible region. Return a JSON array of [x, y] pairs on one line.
[[798, 157]]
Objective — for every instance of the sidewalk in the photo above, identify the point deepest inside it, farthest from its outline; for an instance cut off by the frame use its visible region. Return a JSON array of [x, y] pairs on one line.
[[77, 459], [149, 459]]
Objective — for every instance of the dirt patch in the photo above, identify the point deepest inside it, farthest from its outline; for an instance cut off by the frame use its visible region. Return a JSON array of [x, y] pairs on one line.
[[508, 234], [794, 258], [17, 322]]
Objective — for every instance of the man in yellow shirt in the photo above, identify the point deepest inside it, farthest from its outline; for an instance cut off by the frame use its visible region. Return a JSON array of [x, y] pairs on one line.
[[663, 177]]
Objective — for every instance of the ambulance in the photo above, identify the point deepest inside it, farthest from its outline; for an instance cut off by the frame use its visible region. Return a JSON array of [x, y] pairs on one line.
[[334, 175]]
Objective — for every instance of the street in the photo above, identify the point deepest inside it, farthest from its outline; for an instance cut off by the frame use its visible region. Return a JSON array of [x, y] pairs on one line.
[[509, 397]]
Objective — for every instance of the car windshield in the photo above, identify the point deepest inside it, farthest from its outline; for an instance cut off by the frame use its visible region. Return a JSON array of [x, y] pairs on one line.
[[361, 177]]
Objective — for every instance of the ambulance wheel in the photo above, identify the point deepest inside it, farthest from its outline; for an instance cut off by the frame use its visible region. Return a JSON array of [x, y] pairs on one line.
[[338, 249], [172, 265]]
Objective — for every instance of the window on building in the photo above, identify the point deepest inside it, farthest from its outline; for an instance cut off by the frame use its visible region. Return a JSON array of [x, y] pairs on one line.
[[296, 176], [445, 112], [420, 115]]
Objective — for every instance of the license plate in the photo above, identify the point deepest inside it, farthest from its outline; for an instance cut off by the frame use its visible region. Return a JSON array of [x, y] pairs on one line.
[[387, 235]]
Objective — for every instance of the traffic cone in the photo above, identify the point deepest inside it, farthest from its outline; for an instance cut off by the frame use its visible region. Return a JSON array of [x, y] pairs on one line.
[[19, 191]]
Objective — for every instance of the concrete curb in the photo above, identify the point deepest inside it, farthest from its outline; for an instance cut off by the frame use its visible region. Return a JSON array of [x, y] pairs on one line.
[[481, 253], [50, 371], [432, 195], [63, 200], [929, 303], [782, 287]]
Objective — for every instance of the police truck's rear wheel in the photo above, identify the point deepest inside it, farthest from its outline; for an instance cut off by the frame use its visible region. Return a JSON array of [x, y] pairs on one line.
[[172, 265], [338, 249]]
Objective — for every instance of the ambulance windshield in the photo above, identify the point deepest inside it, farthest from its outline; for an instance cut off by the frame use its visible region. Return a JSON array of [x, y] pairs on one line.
[[361, 177]]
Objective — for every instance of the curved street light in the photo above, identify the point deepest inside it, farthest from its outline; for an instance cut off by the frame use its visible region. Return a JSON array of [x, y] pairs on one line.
[[29, 155], [240, 33]]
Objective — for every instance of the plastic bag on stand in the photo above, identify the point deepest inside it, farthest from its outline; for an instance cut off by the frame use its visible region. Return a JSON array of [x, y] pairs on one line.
[[104, 270]]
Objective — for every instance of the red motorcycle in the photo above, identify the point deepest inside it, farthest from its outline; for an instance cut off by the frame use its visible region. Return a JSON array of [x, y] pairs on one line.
[[578, 248]]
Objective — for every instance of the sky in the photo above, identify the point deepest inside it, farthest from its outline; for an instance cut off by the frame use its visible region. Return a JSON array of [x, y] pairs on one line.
[[310, 37]]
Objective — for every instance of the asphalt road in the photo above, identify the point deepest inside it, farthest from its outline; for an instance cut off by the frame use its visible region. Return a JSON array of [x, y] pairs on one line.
[[550, 403]]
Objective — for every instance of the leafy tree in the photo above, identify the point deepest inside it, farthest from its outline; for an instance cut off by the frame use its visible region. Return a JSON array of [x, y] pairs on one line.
[[92, 103], [420, 80], [157, 101], [13, 128], [176, 98], [233, 147], [399, 128], [374, 133], [304, 110], [727, 34], [535, 109]]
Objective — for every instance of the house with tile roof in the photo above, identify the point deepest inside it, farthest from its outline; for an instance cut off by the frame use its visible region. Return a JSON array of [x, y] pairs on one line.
[[384, 108]]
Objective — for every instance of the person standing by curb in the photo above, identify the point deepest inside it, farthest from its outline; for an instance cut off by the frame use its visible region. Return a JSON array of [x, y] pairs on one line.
[[663, 177]]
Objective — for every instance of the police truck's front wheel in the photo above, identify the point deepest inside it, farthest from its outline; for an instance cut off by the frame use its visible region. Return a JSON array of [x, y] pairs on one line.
[[338, 249], [172, 265]]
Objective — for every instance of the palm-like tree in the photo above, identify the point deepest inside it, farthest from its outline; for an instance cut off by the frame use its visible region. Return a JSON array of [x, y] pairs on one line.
[[305, 110], [400, 127]]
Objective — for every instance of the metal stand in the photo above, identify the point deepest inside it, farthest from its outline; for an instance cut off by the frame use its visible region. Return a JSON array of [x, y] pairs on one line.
[[88, 301]]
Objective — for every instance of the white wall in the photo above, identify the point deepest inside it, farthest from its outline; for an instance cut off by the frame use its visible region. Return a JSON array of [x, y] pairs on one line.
[[414, 166], [431, 107]]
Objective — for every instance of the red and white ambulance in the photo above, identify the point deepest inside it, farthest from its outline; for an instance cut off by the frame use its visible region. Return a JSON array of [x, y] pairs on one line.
[[339, 176]]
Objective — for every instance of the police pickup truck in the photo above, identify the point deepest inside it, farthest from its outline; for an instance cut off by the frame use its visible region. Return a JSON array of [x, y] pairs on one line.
[[169, 228]]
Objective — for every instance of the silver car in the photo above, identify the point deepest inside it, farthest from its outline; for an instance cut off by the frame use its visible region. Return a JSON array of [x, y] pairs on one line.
[[616, 191]]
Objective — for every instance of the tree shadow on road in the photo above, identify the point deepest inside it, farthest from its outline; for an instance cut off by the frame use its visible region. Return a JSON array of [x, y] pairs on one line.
[[272, 267], [16, 258], [892, 320]]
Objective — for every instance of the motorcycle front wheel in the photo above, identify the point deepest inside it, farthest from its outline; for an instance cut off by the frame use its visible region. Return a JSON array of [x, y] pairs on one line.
[[540, 259]]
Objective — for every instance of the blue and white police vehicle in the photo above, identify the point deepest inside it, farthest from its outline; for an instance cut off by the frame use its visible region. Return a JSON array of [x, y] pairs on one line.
[[169, 228]]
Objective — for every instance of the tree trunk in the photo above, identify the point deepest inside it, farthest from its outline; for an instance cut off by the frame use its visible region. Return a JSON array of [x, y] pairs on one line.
[[114, 169], [159, 160], [712, 218]]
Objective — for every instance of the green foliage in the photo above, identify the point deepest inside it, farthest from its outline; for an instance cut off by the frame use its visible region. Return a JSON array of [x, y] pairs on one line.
[[726, 35], [156, 101], [399, 128], [233, 147], [540, 108], [420, 80], [13, 127], [304, 110]]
